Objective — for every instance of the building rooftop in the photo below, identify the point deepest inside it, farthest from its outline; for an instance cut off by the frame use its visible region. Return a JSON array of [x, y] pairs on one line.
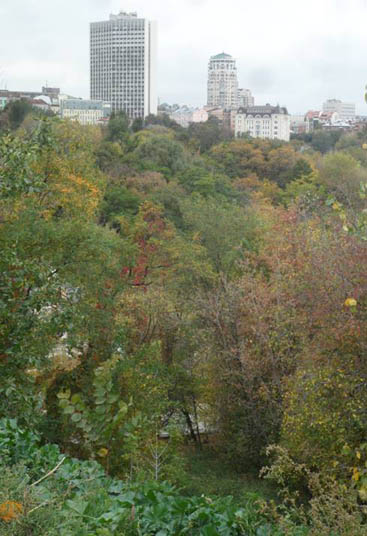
[[124, 15], [222, 56], [265, 109]]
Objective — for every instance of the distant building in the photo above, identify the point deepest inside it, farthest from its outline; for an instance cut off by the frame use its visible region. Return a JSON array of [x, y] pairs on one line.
[[225, 116], [86, 112], [330, 120], [169, 108], [41, 104], [6, 96], [267, 122], [222, 81], [52, 92], [345, 110], [123, 64], [298, 123], [186, 115], [245, 98], [12, 96], [215, 111], [312, 120], [52, 95]]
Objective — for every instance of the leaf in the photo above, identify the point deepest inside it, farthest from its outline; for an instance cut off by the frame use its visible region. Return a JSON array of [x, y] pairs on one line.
[[64, 394], [78, 506], [209, 530], [10, 510]]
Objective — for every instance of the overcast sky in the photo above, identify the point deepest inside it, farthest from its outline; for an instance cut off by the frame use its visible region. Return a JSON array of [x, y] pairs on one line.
[[292, 52]]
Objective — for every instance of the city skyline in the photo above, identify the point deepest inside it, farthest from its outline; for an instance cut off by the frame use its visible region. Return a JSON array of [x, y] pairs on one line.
[[295, 55]]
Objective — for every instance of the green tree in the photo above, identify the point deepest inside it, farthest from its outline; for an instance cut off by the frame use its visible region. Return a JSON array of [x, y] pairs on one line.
[[157, 152], [17, 112], [224, 229], [118, 127], [204, 135]]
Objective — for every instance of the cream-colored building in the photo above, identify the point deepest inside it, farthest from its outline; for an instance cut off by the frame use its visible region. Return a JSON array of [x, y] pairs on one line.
[[222, 81], [345, 110], [86, 112], [267, 122], [245, 98], [186, 115]]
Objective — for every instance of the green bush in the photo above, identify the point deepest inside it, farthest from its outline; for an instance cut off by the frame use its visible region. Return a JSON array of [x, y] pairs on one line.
[[61, 496]]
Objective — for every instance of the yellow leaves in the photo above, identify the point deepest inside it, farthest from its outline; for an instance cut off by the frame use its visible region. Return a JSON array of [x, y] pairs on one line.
[[76, 194], [364, 146], [358, 454], [103, 452], [356, 474], [350, 302], [10, 510]]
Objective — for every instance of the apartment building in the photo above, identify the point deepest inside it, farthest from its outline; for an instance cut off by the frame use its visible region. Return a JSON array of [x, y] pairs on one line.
[[267, 122], [222, 82]]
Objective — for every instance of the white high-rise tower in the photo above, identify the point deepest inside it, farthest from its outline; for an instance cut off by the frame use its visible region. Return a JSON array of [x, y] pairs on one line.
[[123, 63], [222, 81]]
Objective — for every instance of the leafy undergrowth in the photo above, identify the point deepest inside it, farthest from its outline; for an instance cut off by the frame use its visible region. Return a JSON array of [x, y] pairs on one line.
[[209, 476], [79, 499]]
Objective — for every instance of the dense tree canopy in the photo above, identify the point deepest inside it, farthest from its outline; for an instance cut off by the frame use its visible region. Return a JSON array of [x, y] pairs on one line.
[[161, 282]]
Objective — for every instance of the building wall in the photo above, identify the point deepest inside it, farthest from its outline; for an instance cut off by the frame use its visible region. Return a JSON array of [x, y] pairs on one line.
[[269, 122], [123, 63], [222, 82], [245, 98], [151, 45], [86, 112], [199, 116], [345, 110], [184, 116], [84, 117], [52, 95], [298, 123]]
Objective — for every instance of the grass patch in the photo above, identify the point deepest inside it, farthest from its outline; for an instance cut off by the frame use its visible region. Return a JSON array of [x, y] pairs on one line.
[[208, 475]]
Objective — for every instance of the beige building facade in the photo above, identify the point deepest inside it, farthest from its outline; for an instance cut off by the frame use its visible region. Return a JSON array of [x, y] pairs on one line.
[[222, 82], [85, 112], [267, 122], [245, 98]]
